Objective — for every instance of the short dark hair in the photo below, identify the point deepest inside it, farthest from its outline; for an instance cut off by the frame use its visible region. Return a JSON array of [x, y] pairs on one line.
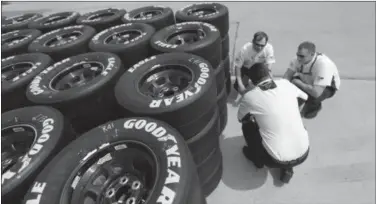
[[258, 72], [259, 36], [310, 46]]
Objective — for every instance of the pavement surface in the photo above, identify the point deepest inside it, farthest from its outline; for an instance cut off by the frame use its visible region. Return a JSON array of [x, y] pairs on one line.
[[341, 164]]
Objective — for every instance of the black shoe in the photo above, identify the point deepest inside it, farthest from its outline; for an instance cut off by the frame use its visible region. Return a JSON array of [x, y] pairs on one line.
[[286, 175], [247, 155], [311, 112]]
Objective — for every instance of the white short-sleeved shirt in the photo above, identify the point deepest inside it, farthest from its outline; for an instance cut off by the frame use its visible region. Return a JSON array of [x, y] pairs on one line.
[[320, 71], [247, 56], [277, 114]]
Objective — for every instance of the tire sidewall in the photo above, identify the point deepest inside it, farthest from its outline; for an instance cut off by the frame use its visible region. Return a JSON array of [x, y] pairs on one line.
[[49, 134], [38, 44], [30, 35], [124, 129], [128, 84], [39, 90], [118, 13], [40, 61], [128, 17], [97, 42], [212, 35]]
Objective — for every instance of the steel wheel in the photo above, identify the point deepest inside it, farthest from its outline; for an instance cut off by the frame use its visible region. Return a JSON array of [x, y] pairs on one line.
[[124, 172], [76, 75]]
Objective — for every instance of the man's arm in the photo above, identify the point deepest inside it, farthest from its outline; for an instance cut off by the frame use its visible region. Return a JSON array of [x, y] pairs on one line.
[[313, 90], [270, 59], [239, 61], [244, 109], [290, 71]]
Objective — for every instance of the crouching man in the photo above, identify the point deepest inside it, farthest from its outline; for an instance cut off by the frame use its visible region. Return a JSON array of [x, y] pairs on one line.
[[315, 74], [272, 126]]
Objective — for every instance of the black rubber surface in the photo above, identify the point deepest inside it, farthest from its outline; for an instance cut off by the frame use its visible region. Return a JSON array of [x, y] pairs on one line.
[[213, 180], [18, 22], [54, 21], [219, 15], [164, 16], [16, 42], [102, 19], [13, 90], [67, 48], [189, 110], [202, 144], [52, 133], [62, 170], [209, 47]]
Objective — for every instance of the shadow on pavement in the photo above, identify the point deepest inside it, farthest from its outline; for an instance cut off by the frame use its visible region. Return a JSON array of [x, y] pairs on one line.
[[238, 172]]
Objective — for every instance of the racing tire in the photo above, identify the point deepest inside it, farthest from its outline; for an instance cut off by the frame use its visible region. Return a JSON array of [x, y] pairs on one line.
[[17, 72], [50, 43], [46, 131], [220, 77], [206, 168], [217, 15], [222, 106], [183, 95], [18, 22], [54, 21], [102, 19], [206, 40], [139, 149], [81, 87], [212, 179], [225, 46], [16, 42], [130, 50], [157, 16], [202, 144], [228, 85]]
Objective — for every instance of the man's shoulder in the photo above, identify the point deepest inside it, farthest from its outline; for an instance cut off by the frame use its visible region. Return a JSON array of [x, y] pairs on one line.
[[324, 60], [247, 46]]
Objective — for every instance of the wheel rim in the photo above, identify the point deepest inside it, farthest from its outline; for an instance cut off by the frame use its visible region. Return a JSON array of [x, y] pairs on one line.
[[62, 39], [13, 40], [186, 37], [165, 81], [201, 12], [122, 37], [54, 18], [15, 143], [77, 75], [124, 172], [100, 16], [148, 14], [11, 71]]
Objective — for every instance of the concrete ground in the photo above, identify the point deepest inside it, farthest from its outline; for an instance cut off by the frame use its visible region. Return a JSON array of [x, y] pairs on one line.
[[341, 164]]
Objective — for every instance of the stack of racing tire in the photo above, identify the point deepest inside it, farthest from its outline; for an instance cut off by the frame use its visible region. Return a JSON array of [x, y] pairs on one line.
[[85, 95]]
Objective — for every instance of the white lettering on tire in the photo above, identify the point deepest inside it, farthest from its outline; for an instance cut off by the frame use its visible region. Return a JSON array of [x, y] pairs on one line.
[[37, 189], [167, 195], [201, 81], [34, 87]]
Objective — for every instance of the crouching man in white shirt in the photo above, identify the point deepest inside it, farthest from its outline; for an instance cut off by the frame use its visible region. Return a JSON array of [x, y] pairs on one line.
[[315, 74], [271, 123], [257, 51]]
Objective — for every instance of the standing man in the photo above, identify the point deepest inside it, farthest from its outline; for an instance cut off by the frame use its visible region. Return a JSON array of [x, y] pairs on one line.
[[257, 51], [271, 122], [315, 74]]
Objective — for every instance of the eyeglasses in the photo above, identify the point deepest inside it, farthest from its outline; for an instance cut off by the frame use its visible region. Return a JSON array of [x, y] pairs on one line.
[[259, 45], [300, 56]]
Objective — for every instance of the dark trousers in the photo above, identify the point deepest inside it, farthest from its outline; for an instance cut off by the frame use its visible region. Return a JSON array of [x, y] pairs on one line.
[[259, 154], [313, 105]]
